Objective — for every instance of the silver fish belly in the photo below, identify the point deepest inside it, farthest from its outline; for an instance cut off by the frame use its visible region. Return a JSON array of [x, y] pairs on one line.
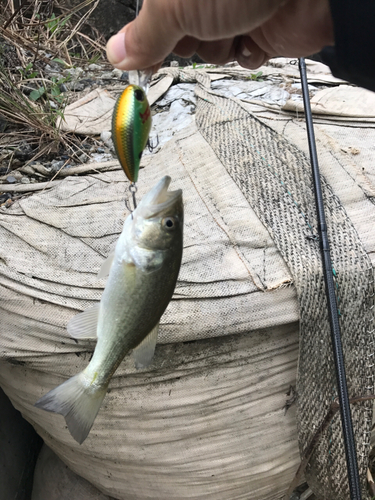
[[143, 271]]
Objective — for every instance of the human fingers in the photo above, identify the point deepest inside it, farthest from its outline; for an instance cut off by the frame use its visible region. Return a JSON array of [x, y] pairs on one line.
[[299, 28], [145, 41], [187, 47], [162, 24], [215, 52], [249, 54]]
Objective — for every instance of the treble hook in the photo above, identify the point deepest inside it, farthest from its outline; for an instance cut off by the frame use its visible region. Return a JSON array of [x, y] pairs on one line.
[[133, 189], [150, 144]]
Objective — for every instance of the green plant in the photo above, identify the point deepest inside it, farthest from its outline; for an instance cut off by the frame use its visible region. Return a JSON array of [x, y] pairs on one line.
[[95, 59], [60, 61], [50, 89], [256, 76], [55, 24], [31, 111], [26, 74]]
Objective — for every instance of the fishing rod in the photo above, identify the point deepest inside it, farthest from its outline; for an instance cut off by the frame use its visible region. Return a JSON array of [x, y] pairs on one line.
[[346, 418]]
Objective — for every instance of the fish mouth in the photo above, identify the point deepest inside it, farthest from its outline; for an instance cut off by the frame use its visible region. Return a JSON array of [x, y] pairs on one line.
[[159, 199]]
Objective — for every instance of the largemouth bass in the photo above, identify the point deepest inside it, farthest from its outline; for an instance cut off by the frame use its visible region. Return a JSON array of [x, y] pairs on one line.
[[143, 271]]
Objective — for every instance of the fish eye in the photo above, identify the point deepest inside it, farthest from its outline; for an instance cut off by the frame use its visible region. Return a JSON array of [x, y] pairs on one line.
[[139, 95], [169, 223]]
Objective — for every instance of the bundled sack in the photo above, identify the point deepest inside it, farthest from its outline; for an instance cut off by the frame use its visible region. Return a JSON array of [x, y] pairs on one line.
[[210, 408]]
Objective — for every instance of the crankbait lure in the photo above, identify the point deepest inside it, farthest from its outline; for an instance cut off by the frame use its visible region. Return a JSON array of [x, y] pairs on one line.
[[131, 124]]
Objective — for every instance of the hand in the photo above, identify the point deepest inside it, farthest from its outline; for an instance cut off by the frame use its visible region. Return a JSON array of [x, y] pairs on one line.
[[219, 31]]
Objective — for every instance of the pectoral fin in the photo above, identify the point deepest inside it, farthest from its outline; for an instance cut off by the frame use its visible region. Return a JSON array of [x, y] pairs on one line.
[[84, 324], [146, 260], [144, 352], [106, 266]]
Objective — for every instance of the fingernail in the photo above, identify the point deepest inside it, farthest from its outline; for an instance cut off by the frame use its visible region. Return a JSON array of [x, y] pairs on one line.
[[116, 52], [246, 52]]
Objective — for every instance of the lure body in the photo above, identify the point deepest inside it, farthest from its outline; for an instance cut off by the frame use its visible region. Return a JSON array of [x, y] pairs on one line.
[[131, 124]]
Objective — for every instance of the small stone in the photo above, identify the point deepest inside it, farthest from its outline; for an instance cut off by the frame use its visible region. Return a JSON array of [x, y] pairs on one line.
[[74, 73], [83, 158], [4, 197], [23, 151], [101, 157], [100, 150], [51, 68], [87, 82], [75, 86], [16, 163], [11, 179], [25, 180], [16, 174], [57, 164], [94, 67], [106, 76], [41, 169], [125, 76], [24, 145], [27, 170], [117, 73], [53, 105], [105, 135], [295, 496], [63, 88], [354, 151], [58, 76], [8, 203], [174, 64]]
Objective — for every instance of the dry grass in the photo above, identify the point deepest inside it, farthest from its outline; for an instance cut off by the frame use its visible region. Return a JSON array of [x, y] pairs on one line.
[[31, 36], [47, 26]]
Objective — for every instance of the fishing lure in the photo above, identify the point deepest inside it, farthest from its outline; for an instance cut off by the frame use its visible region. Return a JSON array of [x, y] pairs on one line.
[[131, 124]]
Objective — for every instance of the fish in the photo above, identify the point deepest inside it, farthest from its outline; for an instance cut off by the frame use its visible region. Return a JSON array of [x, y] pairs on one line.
[[143, 270], [131, 124]]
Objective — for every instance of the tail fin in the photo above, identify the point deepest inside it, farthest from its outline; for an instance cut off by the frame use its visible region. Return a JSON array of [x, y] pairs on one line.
[[77, 401]]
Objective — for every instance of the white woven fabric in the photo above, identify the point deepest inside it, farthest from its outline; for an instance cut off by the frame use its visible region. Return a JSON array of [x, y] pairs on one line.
[[206, 419]]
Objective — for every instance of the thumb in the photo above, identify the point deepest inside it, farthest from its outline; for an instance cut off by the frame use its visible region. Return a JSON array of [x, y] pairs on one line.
[[148, 39]]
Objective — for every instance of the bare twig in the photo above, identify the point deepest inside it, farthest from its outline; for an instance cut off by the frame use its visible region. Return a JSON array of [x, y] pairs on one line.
[[25, 188]]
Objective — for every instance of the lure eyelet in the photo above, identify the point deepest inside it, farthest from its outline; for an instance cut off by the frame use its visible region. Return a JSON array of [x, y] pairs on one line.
[[139, 94]]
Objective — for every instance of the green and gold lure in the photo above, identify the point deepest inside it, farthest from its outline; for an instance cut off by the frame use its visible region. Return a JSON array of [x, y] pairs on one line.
[[131, 124]]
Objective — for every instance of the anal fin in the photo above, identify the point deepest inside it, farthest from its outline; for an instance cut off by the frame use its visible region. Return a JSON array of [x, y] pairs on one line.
[[84, 324], [144, 352]]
